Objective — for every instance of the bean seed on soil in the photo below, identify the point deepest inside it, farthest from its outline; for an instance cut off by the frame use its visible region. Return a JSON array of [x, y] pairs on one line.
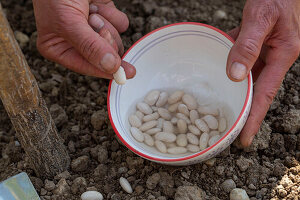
[[125, 185], [91, 195]]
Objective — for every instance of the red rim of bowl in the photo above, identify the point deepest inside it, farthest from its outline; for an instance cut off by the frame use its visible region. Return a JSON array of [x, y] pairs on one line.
[[195, 154]]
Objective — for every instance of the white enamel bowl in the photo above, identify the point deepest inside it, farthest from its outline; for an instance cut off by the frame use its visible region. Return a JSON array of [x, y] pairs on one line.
[[188, 56]]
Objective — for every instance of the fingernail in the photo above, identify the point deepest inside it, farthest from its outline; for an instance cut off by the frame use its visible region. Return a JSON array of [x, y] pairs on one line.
[[108, 62], [93, 8], [238, 71], [96, 22]]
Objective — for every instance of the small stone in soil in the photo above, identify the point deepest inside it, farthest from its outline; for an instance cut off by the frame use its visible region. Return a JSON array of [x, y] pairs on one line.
[[238, 194]]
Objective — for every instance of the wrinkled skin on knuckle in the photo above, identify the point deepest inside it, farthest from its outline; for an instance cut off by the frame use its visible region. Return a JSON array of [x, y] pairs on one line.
[[249, 47], [90, 48]]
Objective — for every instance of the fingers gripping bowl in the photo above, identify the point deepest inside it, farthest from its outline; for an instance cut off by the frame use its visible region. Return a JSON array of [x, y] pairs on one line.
[[190, 57]]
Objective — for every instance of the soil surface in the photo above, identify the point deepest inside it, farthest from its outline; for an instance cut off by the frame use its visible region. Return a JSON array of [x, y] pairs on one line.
[[269, 169]]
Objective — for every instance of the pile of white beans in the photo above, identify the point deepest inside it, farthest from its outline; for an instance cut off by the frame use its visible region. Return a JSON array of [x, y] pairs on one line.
[[176, 123]]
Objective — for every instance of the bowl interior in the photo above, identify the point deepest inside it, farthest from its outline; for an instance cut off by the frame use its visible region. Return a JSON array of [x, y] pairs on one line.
[[185, 56]]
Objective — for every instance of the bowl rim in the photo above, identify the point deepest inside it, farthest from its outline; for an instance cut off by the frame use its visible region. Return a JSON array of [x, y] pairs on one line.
[[194, 155]]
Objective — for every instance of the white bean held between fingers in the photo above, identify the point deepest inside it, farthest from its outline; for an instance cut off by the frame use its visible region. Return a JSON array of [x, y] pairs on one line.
[[168, 127], [162, 99], [194, 115], [160, 146], [211, 121], [193, 139], [165, 137], [137, 134], [222, 124], [203, 141], [182, 126], [175, 97], [144, 108], [194, 130], [208, 110], [213, 140], [125, 185], [134, 121], [202, 125], [153, 116], [91, 195], [152, 97], [148, 140], [164, 113], [181, 140], [193, 148], [190, 101], [182, 108], [120, 76], [177, 150], [148, 125], [152, 131]]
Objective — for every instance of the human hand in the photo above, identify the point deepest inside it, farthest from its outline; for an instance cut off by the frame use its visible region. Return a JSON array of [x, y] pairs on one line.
[[87, 44], [268, 43]]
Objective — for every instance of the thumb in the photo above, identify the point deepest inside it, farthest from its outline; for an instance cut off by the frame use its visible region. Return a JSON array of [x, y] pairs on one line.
[[94, 48], [244, 53]]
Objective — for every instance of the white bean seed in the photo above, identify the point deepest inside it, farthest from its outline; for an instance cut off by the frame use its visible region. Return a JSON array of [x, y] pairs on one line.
[[213, 140], [174, 107], [211, 121], [162, 99], [177, 150], [134, 121], [148, 140], [125, 185], [182, 116], [152, 131], [148, 125], [139, 114], [193, 139], [170, 144], [160, 123], [154, 108], [164, 113], [181, 140], [193, 148], [203, 141], [202, 125], [189, 101], [175, 97], [91, 195], [120, 76], [144, 108], [153, 116], [165, 137], [151, 97], [213, 133], [168, 127], [174, 120], [194, 115], [184, 109], [194, 130], [160, 146], [137, 134], [182, 126], [222, 124], [208, 110]]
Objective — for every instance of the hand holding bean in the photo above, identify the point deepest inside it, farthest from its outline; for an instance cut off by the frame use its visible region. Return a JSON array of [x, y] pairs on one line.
[[268, 43], [83, 36]]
